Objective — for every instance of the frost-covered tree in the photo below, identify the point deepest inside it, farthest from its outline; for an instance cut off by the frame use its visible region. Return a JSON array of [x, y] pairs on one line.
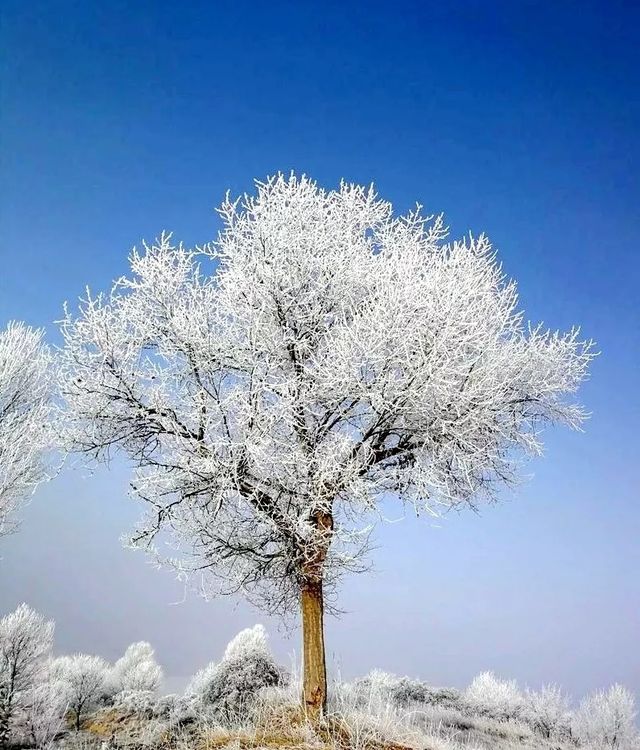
[[45, 707], [606, 720], [323, 356], [25, 643], [489, 694], [84, 679], [136, 671], [547, 710], [25, 407]]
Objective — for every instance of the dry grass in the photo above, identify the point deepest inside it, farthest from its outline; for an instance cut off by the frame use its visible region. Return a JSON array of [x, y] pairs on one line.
[[278, 723]]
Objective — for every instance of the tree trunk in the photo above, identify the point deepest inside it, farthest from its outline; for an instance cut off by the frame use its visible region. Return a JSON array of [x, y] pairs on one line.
[[314, 692]]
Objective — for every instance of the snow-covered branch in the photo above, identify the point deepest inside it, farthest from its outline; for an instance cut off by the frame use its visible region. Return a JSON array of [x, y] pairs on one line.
[[272, 388], [25, 406]]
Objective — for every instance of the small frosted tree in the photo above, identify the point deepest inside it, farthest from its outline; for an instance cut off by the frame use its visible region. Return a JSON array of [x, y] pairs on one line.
[[136, 671], [606, 720], [83, 679], [272, 389], [548, 711], [25, 643], [25, 406], [43, 714], [488, 693]]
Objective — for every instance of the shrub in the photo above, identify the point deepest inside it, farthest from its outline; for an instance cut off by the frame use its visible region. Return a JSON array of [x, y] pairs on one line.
[[547, 711], [237, 683], [25, 643], [401, 692], [606, 720], [248, 641], [83, 679], [489, 695], [43, 715], [407, 692], [166, 706], [135, 671], [229, 690], [140, 702], [198, 685]]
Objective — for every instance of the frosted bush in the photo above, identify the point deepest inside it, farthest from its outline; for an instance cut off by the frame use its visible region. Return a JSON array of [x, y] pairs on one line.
[[248, 641], [377, 682], [25, 643], [547, 711], [606, 720], [136, 671], [229, 690], [365, 712], [409, 692], [237, 683], [488, 694], [166, 706], [83, 679], [379, 688], [369, 694], [199, 684], [43, 717], [141, 702]]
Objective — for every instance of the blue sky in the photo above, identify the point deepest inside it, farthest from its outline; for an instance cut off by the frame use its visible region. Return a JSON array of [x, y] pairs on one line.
[[521, 119]]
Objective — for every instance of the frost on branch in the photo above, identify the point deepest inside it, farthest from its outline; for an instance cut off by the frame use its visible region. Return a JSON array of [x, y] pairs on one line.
[[248, 642], [198, 686], [25, 642], [548, 711], [493, 696], [606, 720], [230, 689], [25, 391], [43, 715], [136, 671], [323, 354], [83, 679], [402, 692]]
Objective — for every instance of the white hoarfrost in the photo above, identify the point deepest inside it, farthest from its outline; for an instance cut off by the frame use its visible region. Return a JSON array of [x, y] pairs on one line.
[[494, 696], [248, 641], [25, 407], [43, 717], [246, 644], [605, 720], [548, 711], [198, 686], [273, 387], [229, 689], [136, 671], [84, 680], [25, 644]]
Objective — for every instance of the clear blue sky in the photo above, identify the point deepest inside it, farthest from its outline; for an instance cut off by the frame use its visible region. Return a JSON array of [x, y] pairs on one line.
[[121, 119]]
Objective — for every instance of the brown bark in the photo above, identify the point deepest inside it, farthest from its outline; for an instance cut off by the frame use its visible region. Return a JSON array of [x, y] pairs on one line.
[[314, 664], [314, 670]]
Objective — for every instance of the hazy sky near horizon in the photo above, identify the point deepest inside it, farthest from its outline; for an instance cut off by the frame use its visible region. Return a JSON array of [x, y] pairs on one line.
[[119, 120]]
